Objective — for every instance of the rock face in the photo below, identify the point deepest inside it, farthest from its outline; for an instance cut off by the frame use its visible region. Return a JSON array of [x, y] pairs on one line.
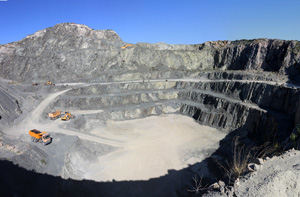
[[9, 105], [263, 105], [247, 86], [53, 52], [261, 108], [73, 52], [227, 100]]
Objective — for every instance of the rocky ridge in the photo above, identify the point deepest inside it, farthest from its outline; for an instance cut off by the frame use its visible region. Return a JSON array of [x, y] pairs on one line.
[[96, 55], [247, 86]]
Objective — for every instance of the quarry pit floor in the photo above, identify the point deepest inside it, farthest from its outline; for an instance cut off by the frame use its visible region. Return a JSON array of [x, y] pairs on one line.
[[145, 148]]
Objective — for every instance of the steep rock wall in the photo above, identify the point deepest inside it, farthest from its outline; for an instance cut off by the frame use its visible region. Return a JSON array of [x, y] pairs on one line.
[[72, 52], [262, 109], [279, 98], [9, 105]]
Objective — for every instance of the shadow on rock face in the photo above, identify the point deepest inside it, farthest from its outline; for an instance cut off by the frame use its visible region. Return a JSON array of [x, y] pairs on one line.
[[294, 70]]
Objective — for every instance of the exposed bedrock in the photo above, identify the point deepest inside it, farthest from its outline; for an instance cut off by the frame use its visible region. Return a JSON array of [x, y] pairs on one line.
[[73, 52], [239, 83], [262, 109], [266, 96], [246, 88], [9, 105]]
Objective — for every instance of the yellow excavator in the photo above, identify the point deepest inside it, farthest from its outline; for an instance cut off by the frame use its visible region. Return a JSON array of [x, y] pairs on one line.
[[67, 116], [48, 83]]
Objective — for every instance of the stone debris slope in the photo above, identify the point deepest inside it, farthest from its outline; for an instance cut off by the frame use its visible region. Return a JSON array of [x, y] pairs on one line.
[[278, 176]]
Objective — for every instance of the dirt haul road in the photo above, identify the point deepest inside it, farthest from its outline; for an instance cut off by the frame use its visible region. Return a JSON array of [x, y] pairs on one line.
[[34, 120]]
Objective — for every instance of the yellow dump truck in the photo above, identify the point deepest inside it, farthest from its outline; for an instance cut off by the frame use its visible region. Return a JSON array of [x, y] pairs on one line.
[[38, 136], [67, 116], [54, 115]]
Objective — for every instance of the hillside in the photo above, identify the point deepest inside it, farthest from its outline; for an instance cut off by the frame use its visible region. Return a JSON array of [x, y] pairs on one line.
[[147, 116], [72, 52]]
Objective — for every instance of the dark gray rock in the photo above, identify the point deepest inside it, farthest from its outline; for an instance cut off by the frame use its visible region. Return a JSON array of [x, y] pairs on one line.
[[9, 105], [73, 52]]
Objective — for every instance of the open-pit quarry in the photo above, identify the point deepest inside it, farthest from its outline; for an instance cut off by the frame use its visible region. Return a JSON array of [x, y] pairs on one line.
[[148, 118]]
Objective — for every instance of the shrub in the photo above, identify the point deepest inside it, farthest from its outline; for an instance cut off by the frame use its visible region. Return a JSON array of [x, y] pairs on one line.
[[197, 185], [293, 137], [242, 156]]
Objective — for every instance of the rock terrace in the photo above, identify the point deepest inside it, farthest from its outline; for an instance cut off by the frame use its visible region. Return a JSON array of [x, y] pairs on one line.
[[248, 88]]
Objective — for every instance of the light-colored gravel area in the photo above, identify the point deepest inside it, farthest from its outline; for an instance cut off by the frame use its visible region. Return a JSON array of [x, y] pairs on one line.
[[278, 176]]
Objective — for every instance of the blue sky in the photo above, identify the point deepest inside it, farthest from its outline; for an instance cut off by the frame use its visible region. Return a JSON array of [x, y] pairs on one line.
[[173, 22]]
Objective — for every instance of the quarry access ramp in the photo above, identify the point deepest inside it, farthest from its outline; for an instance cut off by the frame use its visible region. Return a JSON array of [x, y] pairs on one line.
[[35, 120]]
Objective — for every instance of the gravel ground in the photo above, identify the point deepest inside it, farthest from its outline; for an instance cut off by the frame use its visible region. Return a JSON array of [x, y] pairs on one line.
[[279, 176]]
